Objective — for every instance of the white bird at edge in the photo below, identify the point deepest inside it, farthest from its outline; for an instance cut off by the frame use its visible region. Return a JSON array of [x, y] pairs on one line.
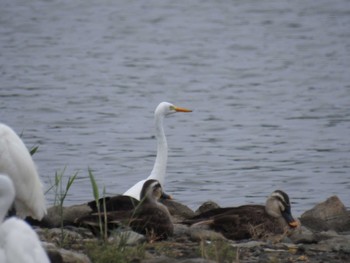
[[18, 165], [18, 241], [159, 168]]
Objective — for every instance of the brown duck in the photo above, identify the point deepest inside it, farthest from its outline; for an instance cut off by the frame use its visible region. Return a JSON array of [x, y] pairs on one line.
[[250, 221], [119, 203], [148, 216]]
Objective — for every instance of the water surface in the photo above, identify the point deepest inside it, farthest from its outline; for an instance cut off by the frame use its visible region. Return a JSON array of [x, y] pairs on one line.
[[268, 82]]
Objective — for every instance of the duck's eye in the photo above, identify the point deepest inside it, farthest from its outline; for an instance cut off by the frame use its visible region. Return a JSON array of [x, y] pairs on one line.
[[282, 207]]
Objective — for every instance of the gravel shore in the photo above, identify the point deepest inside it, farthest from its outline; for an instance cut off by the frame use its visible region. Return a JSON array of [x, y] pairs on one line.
[[323, 237]]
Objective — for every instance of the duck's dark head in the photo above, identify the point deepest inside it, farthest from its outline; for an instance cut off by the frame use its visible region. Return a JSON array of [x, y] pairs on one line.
[[278, 205], [151, 190]]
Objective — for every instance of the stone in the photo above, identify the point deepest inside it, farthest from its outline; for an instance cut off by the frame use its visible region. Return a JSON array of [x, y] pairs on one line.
[[304, 236], [328, 215], [69, 215], [164, 259], [73, 257], [127, 237], [60, 255], [181, 230], [249, 244], [199, 234]]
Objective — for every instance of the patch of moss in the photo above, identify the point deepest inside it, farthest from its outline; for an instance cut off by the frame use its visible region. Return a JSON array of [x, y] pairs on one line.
[[100, 252]]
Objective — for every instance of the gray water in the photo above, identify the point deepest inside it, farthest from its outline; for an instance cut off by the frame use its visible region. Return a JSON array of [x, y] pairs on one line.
[[268, 82]]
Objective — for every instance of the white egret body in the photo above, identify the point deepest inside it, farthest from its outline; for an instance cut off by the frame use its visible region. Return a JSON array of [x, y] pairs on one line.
[[159, 168], [18, 241], [16, 162]]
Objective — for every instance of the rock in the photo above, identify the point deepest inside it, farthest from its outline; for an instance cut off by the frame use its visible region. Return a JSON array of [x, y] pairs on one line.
[[304, 236], [69, 215], [53, 253], [196, 260], [196, 233], [60, 255], [339, 244], [328, 215], [164, 259], [127, 237], [54, 235], [73, 257], [199, 234], [330, 241], [324, 235], [181, 230], [249, 244], [206, 206]]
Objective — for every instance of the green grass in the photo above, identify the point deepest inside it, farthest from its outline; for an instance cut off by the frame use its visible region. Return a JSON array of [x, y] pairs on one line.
[[104, 252], [61, 194]]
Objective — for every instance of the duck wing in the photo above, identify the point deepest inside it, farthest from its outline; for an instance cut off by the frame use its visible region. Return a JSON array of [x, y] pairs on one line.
[[153, 221], [114, 203]]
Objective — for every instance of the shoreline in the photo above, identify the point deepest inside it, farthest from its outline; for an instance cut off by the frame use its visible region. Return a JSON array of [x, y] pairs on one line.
[[328, 240]]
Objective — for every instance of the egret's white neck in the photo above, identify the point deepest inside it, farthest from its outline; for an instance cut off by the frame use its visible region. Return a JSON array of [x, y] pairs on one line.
[[159, 168]]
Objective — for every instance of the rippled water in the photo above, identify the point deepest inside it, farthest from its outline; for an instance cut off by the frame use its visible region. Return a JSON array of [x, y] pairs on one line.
[[268, 82]]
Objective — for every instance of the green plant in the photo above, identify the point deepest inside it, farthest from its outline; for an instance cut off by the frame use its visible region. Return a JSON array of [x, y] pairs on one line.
[[103, 227], [33, 150], [61, 194]]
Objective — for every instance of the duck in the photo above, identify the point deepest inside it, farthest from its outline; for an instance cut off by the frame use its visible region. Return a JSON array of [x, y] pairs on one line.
[[120, 203], [149, 217], [250, 221], [17, 163], [159, 169], [18, 241]]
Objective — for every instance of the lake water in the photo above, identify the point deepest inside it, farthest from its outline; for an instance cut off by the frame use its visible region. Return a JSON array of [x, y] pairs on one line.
[[269, 83]]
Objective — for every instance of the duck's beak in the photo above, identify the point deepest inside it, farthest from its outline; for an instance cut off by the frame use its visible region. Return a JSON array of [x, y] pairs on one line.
[[287, 215], [179, 109]]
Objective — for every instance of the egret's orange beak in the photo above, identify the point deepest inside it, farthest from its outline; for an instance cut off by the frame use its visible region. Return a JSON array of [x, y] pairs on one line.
[[179, 109]]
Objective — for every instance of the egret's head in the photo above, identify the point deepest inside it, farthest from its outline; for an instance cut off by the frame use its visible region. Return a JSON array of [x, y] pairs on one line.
[[166, 108]]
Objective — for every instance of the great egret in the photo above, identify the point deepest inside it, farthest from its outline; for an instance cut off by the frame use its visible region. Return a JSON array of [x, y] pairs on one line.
[[148, 217], [16, 162], [250, 221], [18, 241], [159, 168]]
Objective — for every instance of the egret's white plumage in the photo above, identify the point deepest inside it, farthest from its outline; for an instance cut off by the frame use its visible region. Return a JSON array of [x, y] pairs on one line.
[[159, 168], [18, 241], [16, 162]]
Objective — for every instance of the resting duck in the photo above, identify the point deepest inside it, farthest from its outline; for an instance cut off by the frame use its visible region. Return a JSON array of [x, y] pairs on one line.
[[250, 221], [120, 203], [148, 217]]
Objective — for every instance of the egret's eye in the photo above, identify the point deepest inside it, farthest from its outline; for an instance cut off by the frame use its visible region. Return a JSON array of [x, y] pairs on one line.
[[171, 107]]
